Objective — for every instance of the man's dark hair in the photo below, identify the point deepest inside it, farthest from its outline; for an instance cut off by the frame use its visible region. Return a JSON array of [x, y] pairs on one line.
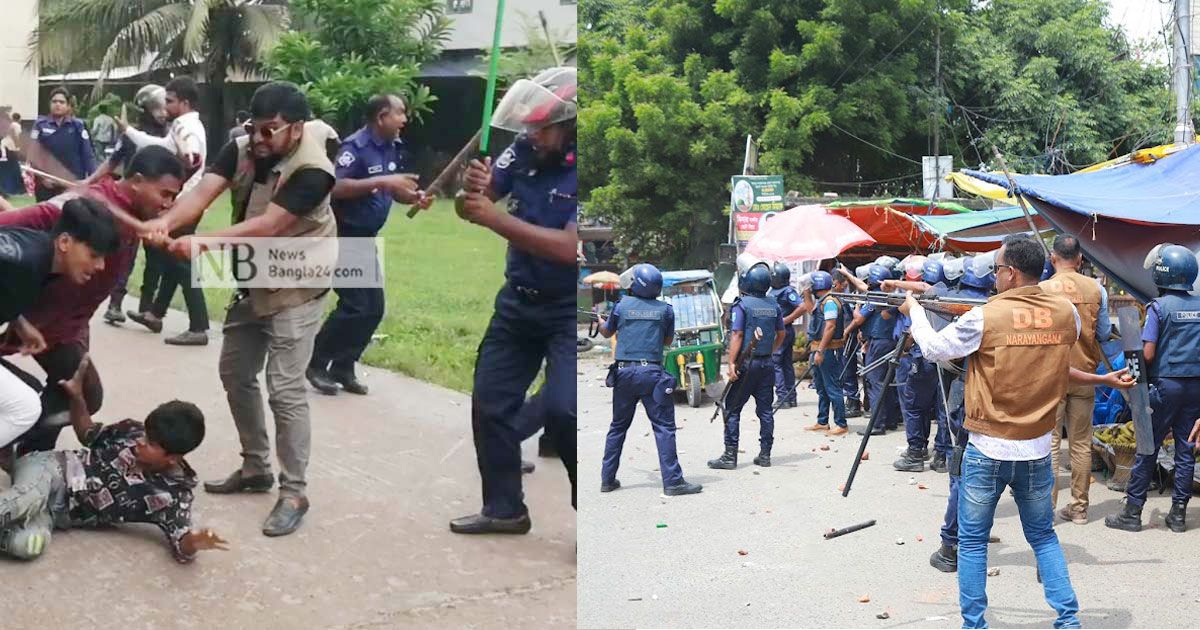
[[241, 115], [380, 102], [88, 221], [185, 90], [1025, 254], [153, 162], [1067, 247], [177, 426], [63, 91], [16, 117], [280, 98]]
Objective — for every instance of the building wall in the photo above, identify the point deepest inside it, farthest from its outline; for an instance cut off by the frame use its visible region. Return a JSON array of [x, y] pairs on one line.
[[473, 30], [18, 84]]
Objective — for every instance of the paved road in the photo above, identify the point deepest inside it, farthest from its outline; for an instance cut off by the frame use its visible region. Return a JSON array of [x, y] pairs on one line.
[[690, 573], [387, 473]]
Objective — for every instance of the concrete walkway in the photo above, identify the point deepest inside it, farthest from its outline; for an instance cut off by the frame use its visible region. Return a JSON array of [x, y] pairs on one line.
[[388, 471]]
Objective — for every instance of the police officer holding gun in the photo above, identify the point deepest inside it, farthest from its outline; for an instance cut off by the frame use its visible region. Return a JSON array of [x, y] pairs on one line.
[[753, 312], [645, 324]]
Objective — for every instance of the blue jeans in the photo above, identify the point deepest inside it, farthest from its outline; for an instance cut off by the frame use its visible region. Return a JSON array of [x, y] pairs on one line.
[[652, 386], [785, 368], [1175, 403], [983, 482], [829, 388], [950, 523], [759, 383]]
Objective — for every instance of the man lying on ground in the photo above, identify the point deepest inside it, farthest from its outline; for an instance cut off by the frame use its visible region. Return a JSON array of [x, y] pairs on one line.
[[129, 472]]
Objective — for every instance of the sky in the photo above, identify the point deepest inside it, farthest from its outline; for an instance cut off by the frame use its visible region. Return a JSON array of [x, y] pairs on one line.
[[1142, 19]]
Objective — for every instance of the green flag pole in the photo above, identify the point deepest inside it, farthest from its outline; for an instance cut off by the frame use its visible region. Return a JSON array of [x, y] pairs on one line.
[[484, 135]]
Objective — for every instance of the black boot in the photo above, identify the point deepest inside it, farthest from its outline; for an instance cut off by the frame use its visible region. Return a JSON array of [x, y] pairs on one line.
[[945, 559], [1175, 520], [727, 460], [321, 381], [924, 453], [853, 408], [348, 380], [682, 488], [939, 463], [764, 457], [546, 446], [1130, 518], [910, 462]]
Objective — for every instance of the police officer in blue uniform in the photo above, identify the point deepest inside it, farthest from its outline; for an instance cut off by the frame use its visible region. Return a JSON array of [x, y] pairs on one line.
[[919, 400], [826, 339], [1171, 343], [534, 318], [792, 308], [754, 311], [975, 286], [63, 138], [645, 324], [878, 325], [371, 173], [853, 348]]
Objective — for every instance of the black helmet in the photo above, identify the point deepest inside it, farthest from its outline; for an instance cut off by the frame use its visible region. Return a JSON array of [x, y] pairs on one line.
[[1174, 266], [781, 275], [647, 281], [757, 280]]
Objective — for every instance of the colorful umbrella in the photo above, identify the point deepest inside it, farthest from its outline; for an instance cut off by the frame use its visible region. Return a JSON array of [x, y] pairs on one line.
[[806, 233], [603, 280]]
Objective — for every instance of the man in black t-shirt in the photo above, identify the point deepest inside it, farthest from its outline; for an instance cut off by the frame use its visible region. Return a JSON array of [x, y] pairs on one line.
[[281, 178], [29, 260]]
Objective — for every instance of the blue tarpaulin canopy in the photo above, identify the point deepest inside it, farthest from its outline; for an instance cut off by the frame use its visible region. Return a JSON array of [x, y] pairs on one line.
[[1165, 191], [1119, 214]]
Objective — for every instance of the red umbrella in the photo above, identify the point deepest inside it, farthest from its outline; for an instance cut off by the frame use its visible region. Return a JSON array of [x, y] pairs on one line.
[[806, 233]]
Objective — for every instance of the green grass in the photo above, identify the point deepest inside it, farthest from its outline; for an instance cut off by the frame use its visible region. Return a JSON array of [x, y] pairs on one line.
[[442, 275]]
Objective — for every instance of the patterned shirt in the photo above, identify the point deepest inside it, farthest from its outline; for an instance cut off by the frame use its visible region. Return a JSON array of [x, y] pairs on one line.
[[107, 485]]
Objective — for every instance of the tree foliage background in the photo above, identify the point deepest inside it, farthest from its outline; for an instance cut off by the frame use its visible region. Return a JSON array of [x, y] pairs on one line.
[[842, 95], [350, 50]]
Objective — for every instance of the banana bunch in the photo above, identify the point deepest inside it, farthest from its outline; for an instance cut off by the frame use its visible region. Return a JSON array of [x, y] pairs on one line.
[[1117, 435]]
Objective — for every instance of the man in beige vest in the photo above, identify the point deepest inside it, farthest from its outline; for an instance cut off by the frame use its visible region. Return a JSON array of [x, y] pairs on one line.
[[1075, 409], [1018, 349], [280, 177]]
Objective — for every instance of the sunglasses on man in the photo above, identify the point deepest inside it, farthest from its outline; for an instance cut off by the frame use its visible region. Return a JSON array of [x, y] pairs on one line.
[[266, 132]]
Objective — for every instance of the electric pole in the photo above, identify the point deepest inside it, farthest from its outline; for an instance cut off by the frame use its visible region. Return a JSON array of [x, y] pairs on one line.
[[1182, 79]]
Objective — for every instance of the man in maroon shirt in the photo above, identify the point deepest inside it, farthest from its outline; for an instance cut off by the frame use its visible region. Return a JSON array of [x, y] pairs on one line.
[[63, 310]]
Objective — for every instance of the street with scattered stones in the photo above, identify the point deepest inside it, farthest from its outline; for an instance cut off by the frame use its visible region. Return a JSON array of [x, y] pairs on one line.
[[748, 551]]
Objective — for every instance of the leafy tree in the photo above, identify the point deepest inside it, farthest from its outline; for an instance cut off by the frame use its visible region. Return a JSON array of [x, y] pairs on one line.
[[217, 36], [842, 95], [354, 49]]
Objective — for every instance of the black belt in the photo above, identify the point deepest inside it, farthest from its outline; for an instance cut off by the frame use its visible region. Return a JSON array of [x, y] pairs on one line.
[[537, 296], [623, 364]]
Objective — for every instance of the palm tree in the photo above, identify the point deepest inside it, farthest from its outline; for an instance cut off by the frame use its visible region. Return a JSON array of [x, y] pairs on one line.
[[214, 36]]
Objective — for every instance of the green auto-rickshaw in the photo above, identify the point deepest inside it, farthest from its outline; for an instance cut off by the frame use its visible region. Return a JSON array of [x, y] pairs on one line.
[[694, 357]]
